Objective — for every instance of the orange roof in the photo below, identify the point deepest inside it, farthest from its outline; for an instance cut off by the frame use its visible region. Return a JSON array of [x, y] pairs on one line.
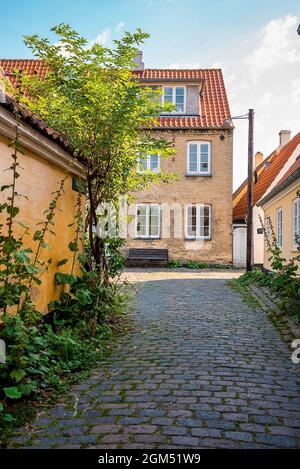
[[266, 178], [213, 100], [28, 66]]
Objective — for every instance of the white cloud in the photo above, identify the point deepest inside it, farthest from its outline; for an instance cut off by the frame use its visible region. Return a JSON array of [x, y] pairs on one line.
[[102, 38], [277, 46], [185, 65], [295, 85], [120, 26]]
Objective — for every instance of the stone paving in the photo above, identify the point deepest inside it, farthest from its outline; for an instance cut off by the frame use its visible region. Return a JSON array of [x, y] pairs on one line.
[[200, 370]]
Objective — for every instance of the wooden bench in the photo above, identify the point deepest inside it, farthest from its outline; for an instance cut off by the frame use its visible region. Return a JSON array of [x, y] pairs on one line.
[[145, 257]]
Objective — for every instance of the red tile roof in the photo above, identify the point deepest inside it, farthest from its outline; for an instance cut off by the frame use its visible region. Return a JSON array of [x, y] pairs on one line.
[[27, 66], [214, 108], [266, 178]]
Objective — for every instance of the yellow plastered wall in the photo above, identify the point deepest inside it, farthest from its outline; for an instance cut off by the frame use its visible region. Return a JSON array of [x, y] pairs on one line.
[[38, 180], [285, 202]]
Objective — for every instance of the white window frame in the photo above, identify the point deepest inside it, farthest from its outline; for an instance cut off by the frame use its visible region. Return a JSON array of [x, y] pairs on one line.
[[279, 215], [148, 162], [198, 209], [147, 236], [296, 220], [199, 143], [174, 98]]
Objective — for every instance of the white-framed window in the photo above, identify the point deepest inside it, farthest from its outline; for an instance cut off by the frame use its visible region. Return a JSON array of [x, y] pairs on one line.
[[267, 231], [296, 221], [199, 157], [150, 162], [147, 220], [279, 227], [198, 221], [175, 95]]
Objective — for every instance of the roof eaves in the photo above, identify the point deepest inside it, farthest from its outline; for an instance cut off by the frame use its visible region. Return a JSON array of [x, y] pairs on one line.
[[289, 180]]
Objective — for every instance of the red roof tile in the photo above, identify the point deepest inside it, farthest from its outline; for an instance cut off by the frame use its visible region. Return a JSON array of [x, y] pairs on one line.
[[214, 108], [266, 177]]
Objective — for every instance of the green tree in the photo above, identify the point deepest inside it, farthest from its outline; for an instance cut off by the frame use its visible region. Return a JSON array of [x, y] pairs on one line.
[[92, 97]]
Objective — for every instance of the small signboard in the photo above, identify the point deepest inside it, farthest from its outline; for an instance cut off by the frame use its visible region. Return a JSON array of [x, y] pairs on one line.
[[79, 185], [260, 231]]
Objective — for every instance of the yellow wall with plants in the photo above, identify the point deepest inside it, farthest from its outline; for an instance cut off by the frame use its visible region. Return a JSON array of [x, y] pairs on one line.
[[283, 200], [37, 182]]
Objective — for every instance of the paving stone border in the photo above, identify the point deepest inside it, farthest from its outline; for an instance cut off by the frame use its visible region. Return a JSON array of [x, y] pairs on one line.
[[268, 302]]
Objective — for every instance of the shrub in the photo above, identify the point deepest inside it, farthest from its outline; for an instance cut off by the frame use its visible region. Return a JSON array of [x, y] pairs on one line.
[[174, 264]]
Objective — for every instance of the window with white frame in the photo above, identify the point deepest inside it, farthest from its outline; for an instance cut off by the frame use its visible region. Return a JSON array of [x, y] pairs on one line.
[[150, 162], [279, 227], [296, 221], [175, 95], [199, 158], [198, 221], [147, 221], [267, 231]]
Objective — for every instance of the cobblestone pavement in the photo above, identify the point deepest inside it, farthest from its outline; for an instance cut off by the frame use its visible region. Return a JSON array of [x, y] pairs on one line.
[[201, 370]]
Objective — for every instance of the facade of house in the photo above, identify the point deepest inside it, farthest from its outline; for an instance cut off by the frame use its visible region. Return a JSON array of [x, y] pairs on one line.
[[266, 175], [45, 161], [281, 208], [192, 216]]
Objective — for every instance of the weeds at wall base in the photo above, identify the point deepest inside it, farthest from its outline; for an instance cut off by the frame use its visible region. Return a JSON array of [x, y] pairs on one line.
[[25, 410]]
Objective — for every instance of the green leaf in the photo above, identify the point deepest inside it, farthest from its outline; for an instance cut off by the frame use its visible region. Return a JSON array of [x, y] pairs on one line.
[[8, 418], [17, 375], [3, 188], [22, 256], [1, 407], [12, 211], [62, 262], [38, 235], [12, 392], [73, 246], [61, 278], [26, 389]]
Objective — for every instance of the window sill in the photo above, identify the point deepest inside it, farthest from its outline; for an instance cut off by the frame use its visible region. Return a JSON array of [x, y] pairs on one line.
[[198, 239], [198, 175], [146, 239]]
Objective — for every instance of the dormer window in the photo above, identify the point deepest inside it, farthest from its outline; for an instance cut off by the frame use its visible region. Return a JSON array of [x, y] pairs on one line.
[[150, 162], [176, 96]]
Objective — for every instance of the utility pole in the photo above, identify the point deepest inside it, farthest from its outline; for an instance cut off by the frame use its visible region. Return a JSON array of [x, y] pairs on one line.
[[250, 191]]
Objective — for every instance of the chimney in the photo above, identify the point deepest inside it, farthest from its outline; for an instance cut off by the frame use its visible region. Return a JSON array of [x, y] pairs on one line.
[[139, 61], [258, 159], [284, 137]]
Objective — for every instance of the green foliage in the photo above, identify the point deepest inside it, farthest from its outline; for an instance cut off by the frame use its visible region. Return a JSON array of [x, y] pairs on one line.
[[256, 276], [116, 261], [175, 264], [107, 116], [40, 356], [196, 265], [284, 281]]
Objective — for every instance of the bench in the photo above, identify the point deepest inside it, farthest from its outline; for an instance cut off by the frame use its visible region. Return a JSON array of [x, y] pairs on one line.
[[145, 257]]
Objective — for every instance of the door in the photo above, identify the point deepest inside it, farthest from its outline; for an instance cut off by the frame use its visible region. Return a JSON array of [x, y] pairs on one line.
[[239, 246]]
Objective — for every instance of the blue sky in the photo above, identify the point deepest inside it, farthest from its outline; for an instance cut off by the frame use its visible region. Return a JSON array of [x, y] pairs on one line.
[[255, 42]]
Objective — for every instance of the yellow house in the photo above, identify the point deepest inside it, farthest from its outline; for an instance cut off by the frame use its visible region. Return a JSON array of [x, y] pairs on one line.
[[45, 161], [282, 209]]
